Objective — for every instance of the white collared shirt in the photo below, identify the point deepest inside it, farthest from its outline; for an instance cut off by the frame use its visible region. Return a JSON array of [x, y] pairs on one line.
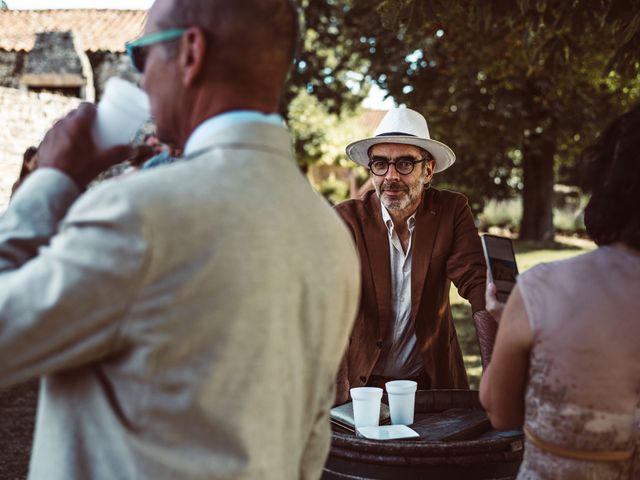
[[400, 356], [199, 138]]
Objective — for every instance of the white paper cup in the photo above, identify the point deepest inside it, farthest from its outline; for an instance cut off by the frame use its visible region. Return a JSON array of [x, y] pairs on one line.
[[402, 400], [366, 406], [121, 111]]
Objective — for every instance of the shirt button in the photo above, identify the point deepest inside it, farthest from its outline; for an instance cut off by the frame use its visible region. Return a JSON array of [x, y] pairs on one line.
[[379, 343], [363, 380]]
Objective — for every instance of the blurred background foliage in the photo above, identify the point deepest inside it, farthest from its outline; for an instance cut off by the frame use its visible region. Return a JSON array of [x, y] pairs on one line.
[[518, 89]]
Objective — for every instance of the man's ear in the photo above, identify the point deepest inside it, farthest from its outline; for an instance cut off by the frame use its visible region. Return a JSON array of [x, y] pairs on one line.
[[192, 54], [428, 170]]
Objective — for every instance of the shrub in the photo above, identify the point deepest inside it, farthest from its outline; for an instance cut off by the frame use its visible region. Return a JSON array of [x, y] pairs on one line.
[[501, 213], [568, 219], [334, 190]]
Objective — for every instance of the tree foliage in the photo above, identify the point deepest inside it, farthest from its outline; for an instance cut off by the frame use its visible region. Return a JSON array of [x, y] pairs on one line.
[[320, 134], [328, 81], [329, 65], [518, 89]]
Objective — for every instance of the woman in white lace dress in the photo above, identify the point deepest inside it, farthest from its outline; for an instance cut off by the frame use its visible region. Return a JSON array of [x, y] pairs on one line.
[[566, 363]]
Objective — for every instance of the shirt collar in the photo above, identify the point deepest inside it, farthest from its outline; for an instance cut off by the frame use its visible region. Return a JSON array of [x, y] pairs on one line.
[[388, 221], [200, 136]]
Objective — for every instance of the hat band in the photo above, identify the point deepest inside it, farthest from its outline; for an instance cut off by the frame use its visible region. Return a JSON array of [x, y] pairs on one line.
[[389, 134]]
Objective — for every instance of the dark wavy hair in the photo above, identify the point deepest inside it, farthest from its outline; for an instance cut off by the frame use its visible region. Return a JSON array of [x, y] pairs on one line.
[[26, 158], [613, 177]]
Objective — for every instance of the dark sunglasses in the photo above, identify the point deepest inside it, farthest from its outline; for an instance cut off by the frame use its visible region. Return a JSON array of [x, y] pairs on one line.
[[403, 165], [138, 51]]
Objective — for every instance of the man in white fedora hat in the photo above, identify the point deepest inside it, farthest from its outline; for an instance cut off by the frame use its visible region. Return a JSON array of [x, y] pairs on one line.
[[413, 240]]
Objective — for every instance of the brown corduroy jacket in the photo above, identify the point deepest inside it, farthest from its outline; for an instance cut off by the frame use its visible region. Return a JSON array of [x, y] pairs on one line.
[[446, 247]]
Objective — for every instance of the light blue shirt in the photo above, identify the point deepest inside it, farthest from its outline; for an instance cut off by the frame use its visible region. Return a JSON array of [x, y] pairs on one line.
[[163, 158], [199, 138]]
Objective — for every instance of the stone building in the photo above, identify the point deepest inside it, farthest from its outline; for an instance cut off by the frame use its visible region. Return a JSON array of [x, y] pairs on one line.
[[71, 52], [55, 64], [50, 60]]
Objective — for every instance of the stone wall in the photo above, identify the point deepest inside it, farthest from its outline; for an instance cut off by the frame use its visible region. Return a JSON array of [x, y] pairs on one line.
[[11, 68], [25, 119], [53, 52], [110, 64], [104, 65]]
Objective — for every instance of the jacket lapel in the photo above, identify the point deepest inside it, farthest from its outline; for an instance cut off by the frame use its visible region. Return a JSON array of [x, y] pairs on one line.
[[377, 237], [427, 220]]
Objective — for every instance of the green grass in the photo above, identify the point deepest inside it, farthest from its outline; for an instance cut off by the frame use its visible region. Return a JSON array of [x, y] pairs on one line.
[[527, 255]]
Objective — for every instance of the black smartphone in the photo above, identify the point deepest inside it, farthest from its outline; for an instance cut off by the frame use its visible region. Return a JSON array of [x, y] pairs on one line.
[[501, 263]]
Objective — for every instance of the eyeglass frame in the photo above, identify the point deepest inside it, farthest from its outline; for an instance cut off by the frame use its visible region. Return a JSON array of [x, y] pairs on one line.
[[148, 40], [414, 162]]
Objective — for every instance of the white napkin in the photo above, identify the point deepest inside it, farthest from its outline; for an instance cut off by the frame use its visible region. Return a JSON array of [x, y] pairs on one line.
[[387, 432]]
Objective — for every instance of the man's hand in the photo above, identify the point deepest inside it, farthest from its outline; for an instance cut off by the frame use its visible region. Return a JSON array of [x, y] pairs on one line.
[[493, 305], [70, 148]]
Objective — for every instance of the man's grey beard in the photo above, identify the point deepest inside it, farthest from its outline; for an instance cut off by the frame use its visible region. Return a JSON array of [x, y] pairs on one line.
[[402, 203]]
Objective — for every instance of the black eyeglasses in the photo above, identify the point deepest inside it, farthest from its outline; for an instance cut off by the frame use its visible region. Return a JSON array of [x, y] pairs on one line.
[[403, 165], [138, 49]]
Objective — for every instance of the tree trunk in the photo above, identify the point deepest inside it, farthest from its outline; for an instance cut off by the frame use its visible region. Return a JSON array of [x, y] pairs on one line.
[[537, 194]]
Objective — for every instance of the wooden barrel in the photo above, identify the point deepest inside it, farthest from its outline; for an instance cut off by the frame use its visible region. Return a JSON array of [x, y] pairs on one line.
[[456, 442]]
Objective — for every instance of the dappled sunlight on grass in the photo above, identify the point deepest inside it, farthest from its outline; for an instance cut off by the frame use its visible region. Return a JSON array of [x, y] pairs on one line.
[[527, 257]]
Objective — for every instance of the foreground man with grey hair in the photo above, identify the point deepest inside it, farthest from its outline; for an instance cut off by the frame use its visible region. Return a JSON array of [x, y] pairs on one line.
[[187, 321]]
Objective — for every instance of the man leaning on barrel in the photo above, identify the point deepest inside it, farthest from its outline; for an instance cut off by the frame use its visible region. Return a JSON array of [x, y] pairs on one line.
[[413, 240]]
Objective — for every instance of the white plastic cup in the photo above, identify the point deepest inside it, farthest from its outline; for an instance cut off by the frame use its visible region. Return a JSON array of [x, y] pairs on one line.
[[122, 110], [402, 401], [366, 406]]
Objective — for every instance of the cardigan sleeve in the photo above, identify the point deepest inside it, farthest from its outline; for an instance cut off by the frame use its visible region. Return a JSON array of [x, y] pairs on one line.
[[67, 278]]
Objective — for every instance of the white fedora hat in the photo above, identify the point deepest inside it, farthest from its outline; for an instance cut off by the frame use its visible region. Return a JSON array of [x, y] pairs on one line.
[[406, 126]]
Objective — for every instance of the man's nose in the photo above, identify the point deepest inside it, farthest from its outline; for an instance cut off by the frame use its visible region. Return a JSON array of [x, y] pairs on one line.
[[392, 173]]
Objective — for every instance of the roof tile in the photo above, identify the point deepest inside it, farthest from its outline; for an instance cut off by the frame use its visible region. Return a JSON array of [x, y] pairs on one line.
[[96, 30]]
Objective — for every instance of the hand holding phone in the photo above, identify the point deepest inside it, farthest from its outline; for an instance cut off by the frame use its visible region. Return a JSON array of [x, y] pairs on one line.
[[501, 264]]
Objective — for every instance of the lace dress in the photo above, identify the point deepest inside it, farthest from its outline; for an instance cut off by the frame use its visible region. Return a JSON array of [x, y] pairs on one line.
[[583, 392]]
